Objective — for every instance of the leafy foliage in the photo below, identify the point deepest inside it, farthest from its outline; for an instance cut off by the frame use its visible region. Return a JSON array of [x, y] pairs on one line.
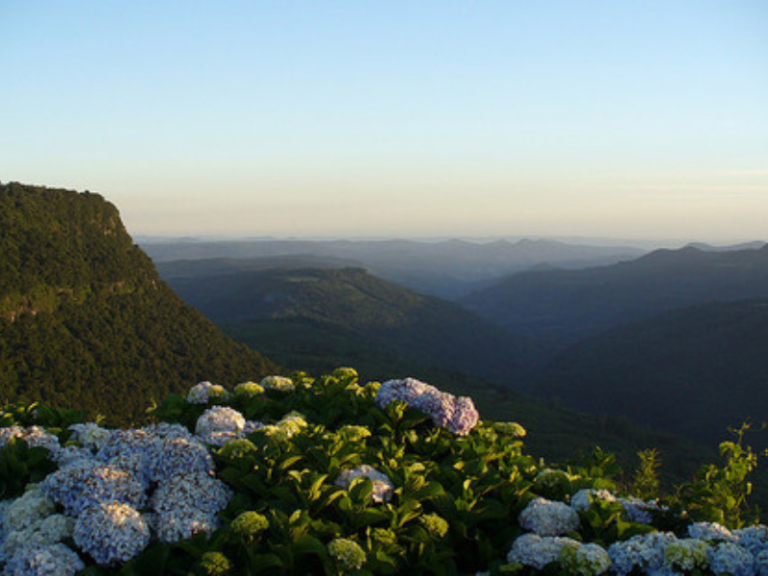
[[454, 503]]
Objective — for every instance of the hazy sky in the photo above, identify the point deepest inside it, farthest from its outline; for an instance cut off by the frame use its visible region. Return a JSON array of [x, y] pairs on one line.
[[406, 118]]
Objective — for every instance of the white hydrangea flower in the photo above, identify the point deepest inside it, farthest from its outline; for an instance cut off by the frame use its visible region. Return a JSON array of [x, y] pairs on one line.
[[111, 533], [547, 518], [204, 392], [382, 485], [91, 435], [220, 424], [584, 498], [56, 528], [28, 511], [537, 551]]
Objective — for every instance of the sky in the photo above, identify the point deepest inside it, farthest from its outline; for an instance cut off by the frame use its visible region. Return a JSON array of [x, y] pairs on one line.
[[621, 119]]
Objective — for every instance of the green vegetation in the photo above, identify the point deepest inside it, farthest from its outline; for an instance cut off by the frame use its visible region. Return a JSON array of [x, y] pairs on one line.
[[86, 322], [438, 503]]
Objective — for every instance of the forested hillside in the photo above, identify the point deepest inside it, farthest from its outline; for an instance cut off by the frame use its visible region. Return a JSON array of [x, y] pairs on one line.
[[85, 321], [315, 319], [692, 372]]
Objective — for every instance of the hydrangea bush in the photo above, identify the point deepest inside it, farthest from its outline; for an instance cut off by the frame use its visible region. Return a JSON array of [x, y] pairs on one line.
[[330, 476]]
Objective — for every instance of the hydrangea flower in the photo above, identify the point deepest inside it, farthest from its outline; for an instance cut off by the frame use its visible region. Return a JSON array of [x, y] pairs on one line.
[[434, 525], [90, 435], [248, 390], [686, 554], [382, 486], [584, 559], [446, 411], [220, 424], [552, 479], [548, 518], [52, 560], [27, 511], [753, 538], [111, 533], [286, 428], [249, 524], [639, 510], [279, 383], [34, 436], [215, 564], [347, 553], [174, 456], [86, 483], [643, 552], [204, 392], [584, 498], [537, 551], [730, 558], [710, 531], [187, 504]]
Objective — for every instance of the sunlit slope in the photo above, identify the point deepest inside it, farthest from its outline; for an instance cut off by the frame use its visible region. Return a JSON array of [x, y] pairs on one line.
[[86, 322]]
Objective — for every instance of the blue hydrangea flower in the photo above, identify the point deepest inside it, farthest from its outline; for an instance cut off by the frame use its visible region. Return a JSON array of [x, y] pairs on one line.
[[111, 533]]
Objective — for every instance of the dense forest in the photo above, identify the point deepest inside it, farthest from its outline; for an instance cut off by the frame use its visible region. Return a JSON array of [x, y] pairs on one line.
[[85, 320]]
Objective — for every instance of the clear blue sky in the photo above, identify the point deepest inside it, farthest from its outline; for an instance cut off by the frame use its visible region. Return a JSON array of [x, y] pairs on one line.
[[633, 119]]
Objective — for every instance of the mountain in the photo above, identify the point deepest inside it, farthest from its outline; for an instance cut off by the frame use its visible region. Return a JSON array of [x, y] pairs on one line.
[[692, 372], [561, 307], [448, 269], [313, 318], [85, 320]]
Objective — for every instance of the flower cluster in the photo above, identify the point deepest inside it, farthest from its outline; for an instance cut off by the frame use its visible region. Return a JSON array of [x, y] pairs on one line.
[[219, 425], [285, 428], [279, 383], [382, 486], [537, 551], [53, 560], [205, 392], [446, 410], [34, 436], [583, 499], [111, 532], [548, 518], [187, 504], [248, 390], [347, 553], [584, 559]]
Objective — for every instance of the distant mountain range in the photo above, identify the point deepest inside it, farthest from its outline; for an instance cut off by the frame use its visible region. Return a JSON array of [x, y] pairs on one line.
[[561, 307], [448, 269], [86, 322]]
